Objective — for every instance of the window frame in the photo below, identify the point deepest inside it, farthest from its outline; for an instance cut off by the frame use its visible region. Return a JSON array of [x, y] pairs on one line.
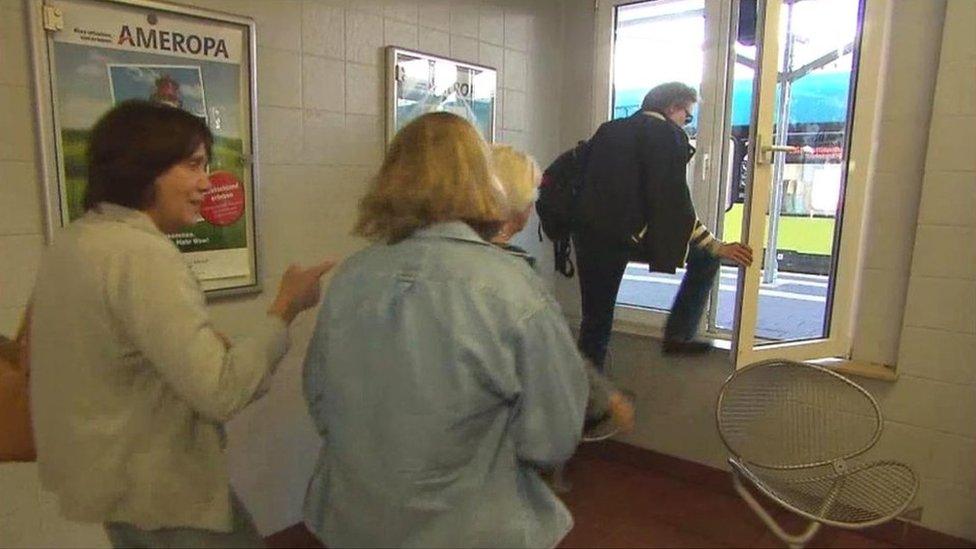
[[643, 320], [842, 305], [847, 266]]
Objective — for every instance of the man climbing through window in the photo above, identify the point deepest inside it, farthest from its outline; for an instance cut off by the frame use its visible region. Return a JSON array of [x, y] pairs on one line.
[[635, 205]]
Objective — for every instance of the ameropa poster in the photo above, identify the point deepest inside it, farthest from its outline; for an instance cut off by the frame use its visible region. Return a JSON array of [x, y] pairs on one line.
[[108, 52]]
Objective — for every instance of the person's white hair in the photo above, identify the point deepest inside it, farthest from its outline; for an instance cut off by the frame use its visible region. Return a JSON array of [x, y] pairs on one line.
[[519, 175]]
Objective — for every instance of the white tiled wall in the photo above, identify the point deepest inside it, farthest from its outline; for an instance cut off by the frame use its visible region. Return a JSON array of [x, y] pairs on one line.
[[937, 358], [28, 516], [912, 54], [21, 230], [321, 130]]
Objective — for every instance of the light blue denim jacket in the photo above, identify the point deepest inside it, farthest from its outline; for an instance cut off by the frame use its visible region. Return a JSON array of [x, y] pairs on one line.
[[440, 376]]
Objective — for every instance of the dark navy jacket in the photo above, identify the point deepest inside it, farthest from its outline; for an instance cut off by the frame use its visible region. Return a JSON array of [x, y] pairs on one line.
[[635, 179]]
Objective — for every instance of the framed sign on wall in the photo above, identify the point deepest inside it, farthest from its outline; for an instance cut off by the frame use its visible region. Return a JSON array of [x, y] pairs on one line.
[[418, 83], [91, 55]]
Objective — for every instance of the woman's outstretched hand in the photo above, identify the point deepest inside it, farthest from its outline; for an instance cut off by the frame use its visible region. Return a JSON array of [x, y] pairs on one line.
[[299, 290]]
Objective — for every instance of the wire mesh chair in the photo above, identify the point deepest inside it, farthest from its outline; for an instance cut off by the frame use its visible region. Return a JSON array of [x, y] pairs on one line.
[[792, 429]]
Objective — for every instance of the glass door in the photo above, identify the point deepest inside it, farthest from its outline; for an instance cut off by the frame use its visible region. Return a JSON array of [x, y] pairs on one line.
[[800, 181]]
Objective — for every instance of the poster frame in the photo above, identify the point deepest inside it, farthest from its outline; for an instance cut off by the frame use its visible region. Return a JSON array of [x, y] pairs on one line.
[[391, 87], [47, 127]]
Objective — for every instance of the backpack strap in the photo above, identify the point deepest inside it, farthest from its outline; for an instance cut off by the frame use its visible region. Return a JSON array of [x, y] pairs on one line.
[[563, 257]]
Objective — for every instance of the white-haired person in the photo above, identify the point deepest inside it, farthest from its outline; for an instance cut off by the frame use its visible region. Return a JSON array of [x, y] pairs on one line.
[[441, 375], [519, 176]]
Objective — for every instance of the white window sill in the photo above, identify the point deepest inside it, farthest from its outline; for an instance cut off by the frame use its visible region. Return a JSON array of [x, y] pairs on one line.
[[857, 368], [652, 328]]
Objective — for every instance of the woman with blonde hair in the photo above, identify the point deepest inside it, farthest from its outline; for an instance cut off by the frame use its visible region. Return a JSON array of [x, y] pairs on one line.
[[441, 374]]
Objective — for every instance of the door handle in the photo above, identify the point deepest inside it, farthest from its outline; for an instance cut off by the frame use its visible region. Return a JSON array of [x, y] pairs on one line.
[[766, 151]]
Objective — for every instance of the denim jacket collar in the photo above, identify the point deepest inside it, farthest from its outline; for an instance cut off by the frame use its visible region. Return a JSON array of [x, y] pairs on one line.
[[450, 230]]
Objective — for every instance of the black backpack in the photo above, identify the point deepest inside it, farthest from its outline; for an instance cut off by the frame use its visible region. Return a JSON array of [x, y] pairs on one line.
[[557, 204]]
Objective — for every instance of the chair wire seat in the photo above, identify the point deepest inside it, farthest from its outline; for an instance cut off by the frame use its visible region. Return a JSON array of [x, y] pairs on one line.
[[792, 429]]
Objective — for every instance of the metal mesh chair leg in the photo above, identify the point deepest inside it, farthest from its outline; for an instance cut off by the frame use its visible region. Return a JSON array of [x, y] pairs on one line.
[[793, 541]]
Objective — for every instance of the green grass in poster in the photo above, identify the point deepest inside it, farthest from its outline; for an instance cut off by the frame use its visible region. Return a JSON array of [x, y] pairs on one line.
[[227, 155]]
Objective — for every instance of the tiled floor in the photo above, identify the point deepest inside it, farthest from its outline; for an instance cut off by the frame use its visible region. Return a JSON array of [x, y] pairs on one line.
[[623, 505], [621, 497]]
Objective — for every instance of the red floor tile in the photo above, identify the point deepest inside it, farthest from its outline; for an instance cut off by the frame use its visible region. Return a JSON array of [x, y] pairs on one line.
[[624, 500], [296, 536], [649, 534], [846, 538]]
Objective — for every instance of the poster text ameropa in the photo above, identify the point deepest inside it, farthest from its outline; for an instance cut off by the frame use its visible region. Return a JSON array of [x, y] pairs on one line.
[[152, 39]]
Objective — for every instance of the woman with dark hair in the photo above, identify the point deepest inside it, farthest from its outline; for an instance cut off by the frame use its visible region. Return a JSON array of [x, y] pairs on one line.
[[130, 382]]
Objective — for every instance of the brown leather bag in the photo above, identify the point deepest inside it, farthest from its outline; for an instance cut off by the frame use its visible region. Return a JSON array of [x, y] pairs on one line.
[[16, 433]]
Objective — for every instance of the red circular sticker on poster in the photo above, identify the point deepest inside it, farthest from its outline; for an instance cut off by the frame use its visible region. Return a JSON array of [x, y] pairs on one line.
[[223, 204]]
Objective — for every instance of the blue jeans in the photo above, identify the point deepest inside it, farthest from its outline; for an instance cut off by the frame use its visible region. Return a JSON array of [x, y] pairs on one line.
[[689, 304], [601, 264]]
